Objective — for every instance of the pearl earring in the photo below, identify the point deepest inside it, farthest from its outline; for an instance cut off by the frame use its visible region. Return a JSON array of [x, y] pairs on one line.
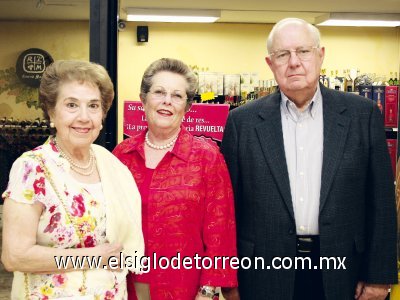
[[52, 125], [101, 126]]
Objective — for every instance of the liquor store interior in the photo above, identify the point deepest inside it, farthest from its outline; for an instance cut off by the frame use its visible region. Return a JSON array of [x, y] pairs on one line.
[[227, 55]]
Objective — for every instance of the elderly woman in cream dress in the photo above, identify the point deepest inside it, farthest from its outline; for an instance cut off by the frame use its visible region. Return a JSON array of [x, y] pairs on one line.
[[70, 199]]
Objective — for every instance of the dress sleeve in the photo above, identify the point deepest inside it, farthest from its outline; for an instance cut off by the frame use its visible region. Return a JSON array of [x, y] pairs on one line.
[[26, 182], [219, 227]]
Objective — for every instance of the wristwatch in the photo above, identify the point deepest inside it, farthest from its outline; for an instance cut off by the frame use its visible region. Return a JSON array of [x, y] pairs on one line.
[[207, 291]]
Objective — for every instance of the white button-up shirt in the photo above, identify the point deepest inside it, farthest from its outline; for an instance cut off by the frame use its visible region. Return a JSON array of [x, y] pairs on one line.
[[303, 141]]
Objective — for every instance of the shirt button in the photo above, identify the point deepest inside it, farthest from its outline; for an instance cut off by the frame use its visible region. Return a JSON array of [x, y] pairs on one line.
[[301, 173], [301, 148], [302, 228], [301, 199], [300, 125]]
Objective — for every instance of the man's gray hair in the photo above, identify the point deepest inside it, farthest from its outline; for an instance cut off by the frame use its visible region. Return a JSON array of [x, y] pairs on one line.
[[282, 23]]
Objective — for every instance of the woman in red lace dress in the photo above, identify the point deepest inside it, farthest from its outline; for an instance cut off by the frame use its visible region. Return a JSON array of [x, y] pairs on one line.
[[187, 200]]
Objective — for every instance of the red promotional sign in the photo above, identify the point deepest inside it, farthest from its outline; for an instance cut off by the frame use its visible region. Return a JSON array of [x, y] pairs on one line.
[[201, 120]]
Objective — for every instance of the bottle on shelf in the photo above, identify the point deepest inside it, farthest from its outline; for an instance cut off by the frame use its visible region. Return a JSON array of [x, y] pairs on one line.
[[352, 75], [345, 79], [391, 81], [395, 80], [349, 82], [322, 76], [256, 92], [337, 81], [325, 80], [332, 80]]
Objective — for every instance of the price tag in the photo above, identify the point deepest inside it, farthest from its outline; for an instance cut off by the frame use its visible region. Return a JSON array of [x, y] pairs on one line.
[[207, 96]]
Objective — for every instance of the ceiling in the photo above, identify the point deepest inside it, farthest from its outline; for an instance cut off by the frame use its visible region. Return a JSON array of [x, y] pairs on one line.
[[236, 11]]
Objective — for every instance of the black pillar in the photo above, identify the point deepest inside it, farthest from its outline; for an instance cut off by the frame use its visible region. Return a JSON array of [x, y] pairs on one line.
[[103, 50]]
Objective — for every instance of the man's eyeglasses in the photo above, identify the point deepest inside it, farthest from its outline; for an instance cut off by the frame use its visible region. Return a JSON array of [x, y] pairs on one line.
[[281, 57], [161, 94]]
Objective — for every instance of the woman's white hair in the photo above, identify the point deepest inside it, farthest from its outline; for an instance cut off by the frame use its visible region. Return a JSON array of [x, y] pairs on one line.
[[290, 21]]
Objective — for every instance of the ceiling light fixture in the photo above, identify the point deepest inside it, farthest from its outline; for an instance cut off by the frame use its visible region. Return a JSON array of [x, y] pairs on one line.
[[172, 15], [358, 19]]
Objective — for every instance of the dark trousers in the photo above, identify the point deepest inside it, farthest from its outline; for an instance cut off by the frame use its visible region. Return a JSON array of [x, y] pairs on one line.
[[308, 282]]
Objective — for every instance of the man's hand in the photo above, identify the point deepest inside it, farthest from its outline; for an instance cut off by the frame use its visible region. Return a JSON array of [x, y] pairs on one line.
[[366, 291], [230, 293]]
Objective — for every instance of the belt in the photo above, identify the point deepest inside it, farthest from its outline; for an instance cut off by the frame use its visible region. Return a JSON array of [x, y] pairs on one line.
[[307, 243]]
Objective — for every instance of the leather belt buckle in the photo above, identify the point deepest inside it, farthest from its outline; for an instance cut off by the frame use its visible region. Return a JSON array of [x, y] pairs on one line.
[[304, 244]]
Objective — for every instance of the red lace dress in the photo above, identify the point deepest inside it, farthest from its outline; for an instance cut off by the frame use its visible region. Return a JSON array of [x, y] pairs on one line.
[[188, 209]]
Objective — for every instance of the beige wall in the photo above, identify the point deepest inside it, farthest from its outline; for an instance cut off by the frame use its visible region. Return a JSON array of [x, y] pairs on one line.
[[372, 50], [236, 48], [228, 48], [62, 40]]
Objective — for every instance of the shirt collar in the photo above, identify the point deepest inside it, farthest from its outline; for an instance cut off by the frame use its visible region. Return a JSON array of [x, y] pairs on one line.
[[135, 144], [311, 108]]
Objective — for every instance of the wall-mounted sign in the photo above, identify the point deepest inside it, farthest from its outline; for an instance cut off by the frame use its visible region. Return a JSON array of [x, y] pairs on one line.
[[201, 120], [31, 64]]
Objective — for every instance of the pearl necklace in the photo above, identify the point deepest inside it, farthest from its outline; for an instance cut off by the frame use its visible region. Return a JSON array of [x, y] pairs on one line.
[[82, 170], [162, 147]]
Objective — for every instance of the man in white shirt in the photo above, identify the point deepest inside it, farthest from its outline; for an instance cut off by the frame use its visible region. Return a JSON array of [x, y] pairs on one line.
[[312, 179]]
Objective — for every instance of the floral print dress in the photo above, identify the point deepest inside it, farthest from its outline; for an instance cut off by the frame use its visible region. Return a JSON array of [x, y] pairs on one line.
[[29, 185]]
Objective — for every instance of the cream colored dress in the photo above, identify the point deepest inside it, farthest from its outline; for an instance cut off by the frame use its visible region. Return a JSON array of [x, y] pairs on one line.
[[109, 211]]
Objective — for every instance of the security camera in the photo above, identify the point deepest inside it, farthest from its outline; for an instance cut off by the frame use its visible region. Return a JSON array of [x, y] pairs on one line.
[[121, 25]]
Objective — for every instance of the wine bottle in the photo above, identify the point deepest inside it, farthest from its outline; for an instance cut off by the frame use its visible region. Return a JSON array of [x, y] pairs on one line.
[[326, 81], [395, 80], [321, 76], [345, 80], [349, 82], [337, 81], [391, 81], [332, 80]]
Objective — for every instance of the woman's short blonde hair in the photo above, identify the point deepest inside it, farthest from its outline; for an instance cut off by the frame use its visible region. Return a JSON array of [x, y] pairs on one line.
[[63, 71]]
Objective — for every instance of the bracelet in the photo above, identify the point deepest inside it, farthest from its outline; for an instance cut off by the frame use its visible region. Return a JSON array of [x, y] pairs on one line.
[[207, 291]]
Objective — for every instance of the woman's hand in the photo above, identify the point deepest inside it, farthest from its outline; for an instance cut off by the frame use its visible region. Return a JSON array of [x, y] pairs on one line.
[[205, 292], [110, 255], [200, 297]]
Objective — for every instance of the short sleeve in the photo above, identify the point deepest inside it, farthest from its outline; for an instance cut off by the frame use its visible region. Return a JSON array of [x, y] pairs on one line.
[[26, 182]]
